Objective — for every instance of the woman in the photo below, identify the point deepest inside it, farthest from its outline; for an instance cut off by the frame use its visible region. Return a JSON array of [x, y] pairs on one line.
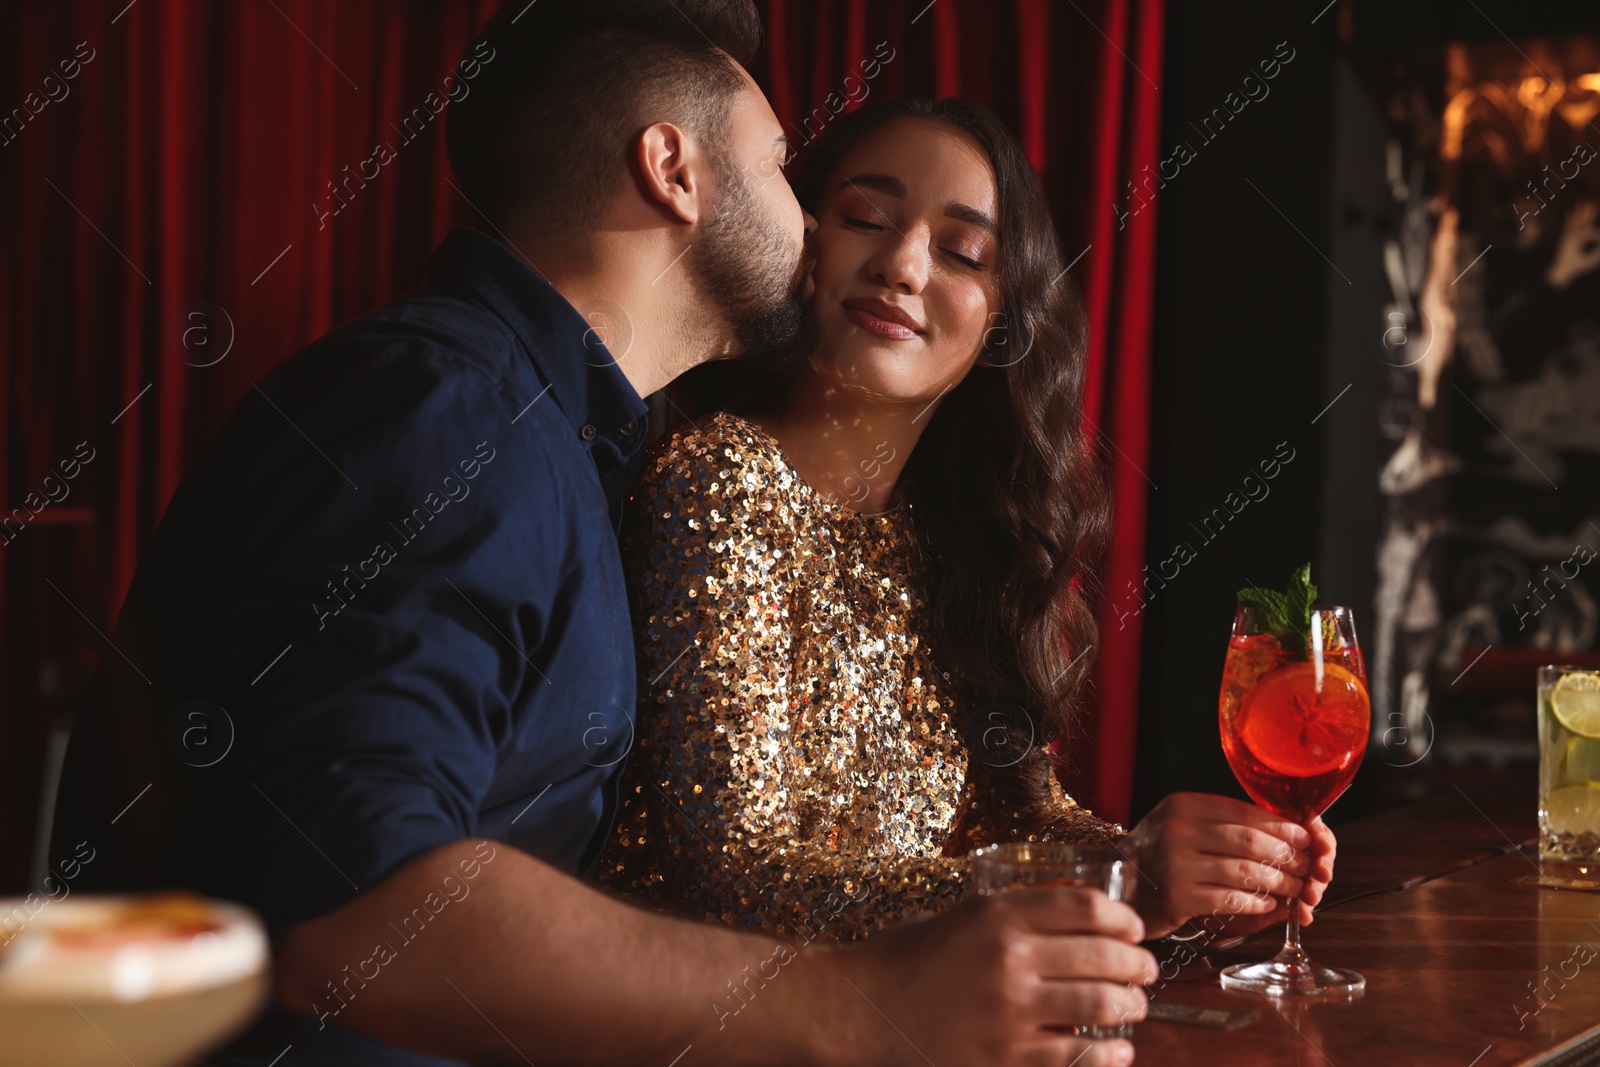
[[858, 603]]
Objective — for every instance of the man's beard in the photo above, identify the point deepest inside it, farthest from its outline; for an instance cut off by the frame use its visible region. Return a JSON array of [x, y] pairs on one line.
[[745, 267]]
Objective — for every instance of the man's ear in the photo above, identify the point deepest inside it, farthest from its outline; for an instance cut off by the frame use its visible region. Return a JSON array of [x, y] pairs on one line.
[[671, 170]]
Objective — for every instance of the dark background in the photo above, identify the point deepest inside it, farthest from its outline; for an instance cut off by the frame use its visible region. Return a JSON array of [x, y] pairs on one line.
[[1256, 332]]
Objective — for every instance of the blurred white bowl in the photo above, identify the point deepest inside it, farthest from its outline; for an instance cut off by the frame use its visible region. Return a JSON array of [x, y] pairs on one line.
[[152, 980]]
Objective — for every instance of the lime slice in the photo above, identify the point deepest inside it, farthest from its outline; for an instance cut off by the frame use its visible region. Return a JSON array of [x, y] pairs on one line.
[[1574, 808], [1583, 758], [1575, 701]]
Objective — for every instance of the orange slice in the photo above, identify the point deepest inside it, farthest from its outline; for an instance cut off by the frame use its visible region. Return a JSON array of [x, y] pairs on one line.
[[1298, 730]]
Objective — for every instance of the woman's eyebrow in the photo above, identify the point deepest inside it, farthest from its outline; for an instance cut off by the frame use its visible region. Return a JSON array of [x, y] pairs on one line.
[[889, 185], [972, 215]]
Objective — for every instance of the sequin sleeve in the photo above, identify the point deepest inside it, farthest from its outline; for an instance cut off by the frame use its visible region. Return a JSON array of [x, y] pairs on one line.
[[720, 814], [1073, 822], [1065, 820]]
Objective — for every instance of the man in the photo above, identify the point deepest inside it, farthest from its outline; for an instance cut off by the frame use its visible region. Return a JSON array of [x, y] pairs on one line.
[[391, 585]]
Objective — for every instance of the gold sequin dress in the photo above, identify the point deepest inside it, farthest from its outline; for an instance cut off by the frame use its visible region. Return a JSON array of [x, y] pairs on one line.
[[797, 764]]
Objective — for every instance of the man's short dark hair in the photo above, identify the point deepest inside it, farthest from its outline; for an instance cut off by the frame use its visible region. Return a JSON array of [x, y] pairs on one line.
[[542, 137]]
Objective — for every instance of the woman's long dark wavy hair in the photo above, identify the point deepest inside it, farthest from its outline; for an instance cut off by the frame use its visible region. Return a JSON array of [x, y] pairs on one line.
[[1008, 499]]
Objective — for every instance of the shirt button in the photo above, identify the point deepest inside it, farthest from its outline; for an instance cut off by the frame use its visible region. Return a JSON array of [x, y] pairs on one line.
[[587, 433], [629, 427]]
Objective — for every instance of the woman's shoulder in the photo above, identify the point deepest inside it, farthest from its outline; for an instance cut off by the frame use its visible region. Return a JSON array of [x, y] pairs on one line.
[[722, 468], [721, 454]]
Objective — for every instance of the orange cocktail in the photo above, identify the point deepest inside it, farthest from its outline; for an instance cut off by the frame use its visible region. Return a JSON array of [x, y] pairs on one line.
[[1293, 729], [1294, 717]]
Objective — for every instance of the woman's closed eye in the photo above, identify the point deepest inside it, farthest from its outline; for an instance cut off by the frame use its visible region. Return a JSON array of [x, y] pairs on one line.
[[862, 224], [970, 262]]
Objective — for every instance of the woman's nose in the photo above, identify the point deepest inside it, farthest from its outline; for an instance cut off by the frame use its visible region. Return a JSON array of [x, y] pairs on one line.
[[901, 263]]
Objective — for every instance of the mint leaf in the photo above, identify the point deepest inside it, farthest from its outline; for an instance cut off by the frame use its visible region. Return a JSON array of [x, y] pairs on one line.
[[1286, 615], [1302, 594], [1265, 599], [1273, 605]]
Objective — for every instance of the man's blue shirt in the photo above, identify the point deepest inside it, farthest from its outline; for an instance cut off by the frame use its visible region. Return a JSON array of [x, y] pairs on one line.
[[383, 612]]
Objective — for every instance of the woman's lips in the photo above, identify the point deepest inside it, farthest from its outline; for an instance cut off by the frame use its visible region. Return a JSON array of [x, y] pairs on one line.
[[876, 324]]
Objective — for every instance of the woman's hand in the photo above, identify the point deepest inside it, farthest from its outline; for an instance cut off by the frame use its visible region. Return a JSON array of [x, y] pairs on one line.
[[1233, 866]]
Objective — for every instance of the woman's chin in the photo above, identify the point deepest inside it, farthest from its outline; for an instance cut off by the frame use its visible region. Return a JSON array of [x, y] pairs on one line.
[[885, 389], [884, 376]]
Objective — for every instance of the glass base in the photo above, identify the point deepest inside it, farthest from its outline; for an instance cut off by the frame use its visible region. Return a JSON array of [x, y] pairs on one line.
[[1277, 978], [1562, 873]]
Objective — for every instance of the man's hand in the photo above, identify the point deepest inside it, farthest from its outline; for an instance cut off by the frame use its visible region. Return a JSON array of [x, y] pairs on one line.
[[1001, 980], [531, 959], [1233, 865]]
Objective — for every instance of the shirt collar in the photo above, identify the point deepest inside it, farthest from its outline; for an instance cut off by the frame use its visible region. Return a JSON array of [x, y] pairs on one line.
[[605, 411]]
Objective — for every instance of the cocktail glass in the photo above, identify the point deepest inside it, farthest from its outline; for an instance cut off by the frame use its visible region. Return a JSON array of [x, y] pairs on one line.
[[1295, 717]]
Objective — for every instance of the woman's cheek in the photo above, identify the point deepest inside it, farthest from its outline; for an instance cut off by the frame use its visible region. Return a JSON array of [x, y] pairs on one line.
[[829, 266], [972, 323]]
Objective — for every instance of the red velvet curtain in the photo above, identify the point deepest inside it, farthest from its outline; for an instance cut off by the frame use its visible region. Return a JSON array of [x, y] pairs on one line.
[[166, 174]]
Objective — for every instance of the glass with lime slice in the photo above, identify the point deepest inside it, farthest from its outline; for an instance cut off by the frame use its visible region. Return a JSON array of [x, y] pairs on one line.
[[1569, 768]]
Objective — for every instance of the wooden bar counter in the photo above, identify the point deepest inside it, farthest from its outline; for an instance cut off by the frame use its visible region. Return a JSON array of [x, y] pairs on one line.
[[1466, 965]]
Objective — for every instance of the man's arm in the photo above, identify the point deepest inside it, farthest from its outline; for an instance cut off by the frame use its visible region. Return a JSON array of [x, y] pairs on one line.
[[530, 965]]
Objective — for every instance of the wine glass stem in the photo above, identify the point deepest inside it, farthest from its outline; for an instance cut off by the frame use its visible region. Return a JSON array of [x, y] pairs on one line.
[[1292, 954]]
